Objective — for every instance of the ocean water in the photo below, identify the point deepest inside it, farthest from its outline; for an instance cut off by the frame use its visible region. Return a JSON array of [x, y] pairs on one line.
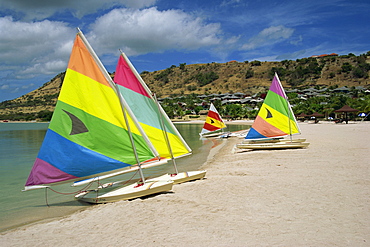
[[19, 145]]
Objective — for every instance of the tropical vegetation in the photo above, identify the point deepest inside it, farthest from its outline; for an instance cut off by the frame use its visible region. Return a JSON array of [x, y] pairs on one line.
[[180, 86]]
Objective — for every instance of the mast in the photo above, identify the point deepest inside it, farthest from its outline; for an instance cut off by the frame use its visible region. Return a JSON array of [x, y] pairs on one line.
[[166, 136], [124, 104], [89, 102], [289, 110], [161, 111], [133, 146], [210, 126], [124, 107]]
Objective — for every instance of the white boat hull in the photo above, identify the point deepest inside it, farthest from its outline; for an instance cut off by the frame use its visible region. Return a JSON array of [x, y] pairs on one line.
[[181, 177], [273, 141], [212, 135], [273, 145], [125, 193]]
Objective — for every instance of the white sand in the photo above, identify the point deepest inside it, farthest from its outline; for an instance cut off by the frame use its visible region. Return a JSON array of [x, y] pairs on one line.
[[319, 196]]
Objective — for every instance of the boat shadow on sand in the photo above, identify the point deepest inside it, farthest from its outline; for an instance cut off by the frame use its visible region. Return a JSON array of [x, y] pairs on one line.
[[82, 204], [236, 150], [152, 195]]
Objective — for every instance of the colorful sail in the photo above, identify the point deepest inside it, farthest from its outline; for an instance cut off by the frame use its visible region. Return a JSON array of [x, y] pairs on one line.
[[154, 121], [213, 121], [87, 134], [275, 118]]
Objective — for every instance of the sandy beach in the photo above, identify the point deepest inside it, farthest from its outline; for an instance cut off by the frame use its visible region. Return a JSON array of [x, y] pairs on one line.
[[319, 196]]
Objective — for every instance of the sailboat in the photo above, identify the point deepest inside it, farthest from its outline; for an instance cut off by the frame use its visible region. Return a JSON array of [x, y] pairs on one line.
[[275, 120], [160, 130], [213, 125], [93, 135]]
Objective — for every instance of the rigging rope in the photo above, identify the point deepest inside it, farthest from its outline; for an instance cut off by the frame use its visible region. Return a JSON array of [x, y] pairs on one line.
[[84, 189]]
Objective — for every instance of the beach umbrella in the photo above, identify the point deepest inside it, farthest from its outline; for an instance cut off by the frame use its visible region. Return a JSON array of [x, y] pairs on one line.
[[302, 115], [345, 109], [363, 115], [316, 114]]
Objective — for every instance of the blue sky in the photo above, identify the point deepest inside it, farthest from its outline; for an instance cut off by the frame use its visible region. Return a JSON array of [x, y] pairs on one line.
[[36, 36]]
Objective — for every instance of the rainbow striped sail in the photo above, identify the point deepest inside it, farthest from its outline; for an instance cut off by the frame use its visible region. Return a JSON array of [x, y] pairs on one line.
[[213, 121], [154, 121], [88, 134], [275, 118]]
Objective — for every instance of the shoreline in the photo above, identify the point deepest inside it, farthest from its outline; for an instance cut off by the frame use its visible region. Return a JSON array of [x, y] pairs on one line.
[[227, 122], [239, 122], [303, 197]]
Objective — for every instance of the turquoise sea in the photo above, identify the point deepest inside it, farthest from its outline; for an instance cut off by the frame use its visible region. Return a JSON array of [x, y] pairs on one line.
[[19, 145]]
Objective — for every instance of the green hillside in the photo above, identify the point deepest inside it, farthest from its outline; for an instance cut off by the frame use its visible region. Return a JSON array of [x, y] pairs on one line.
[[246, 77]]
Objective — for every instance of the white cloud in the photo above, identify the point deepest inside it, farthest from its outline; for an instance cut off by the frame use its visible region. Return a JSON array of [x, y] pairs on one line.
[[232, 3], [38, 49], [151, 30], [269, 36], [292, 55], [40, 9], [298, 40], [34, 48], [138, 3], [28, 86], [4, 87]]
